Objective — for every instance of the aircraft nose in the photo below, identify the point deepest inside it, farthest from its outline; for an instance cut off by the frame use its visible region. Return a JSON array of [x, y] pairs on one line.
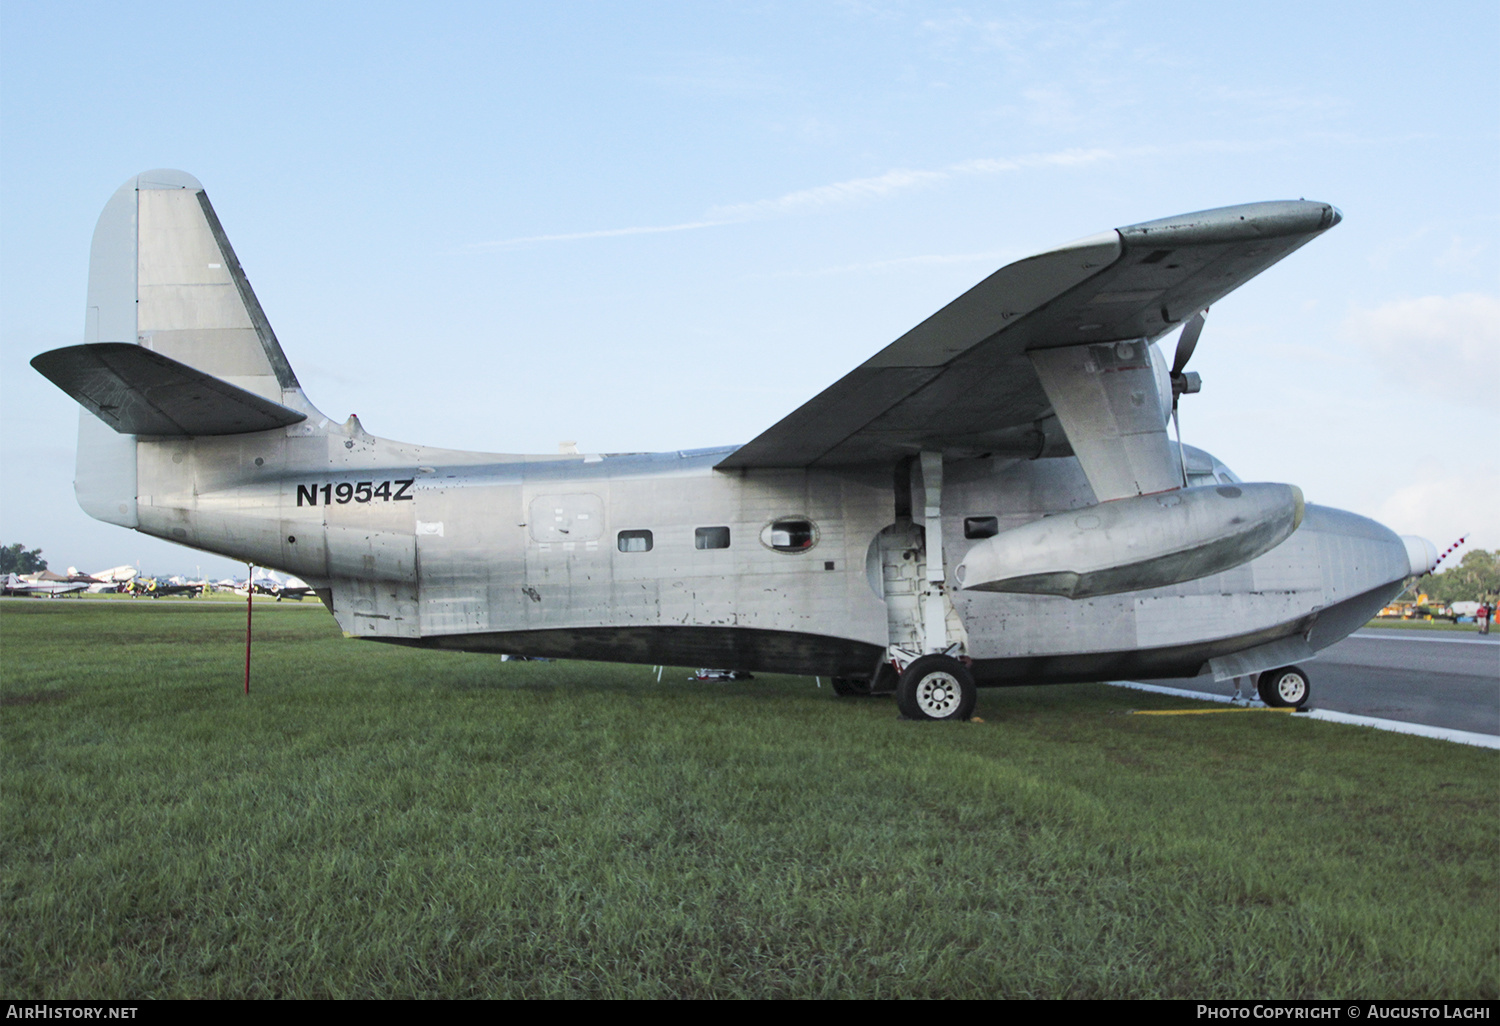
[[1421, 554]]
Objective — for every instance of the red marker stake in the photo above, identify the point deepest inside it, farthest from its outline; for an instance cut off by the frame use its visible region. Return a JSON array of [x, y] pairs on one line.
[[249, 596]]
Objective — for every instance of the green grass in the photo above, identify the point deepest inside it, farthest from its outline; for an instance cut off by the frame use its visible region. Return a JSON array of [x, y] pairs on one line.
[[382, 822]]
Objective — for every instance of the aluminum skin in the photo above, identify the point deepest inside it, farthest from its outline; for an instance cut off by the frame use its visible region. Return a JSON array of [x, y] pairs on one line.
[[805, 551]]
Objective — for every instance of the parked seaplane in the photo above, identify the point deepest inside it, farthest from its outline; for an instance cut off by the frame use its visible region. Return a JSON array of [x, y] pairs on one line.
[[991, 499]]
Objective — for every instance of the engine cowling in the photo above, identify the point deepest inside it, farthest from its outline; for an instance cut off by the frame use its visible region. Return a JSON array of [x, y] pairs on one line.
[[1147, 541]]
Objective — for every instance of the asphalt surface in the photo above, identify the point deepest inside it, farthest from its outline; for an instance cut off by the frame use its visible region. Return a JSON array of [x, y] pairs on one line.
[[1437, 678]]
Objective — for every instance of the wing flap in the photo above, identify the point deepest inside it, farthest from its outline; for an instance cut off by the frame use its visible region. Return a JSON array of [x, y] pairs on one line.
[[140, 392]]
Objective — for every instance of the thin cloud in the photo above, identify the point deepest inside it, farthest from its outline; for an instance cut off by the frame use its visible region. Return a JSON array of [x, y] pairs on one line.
[[837, 194], [1026, 162], [854, 190], [1445, 504], [1441, 346], [602, 233], [994, 257]]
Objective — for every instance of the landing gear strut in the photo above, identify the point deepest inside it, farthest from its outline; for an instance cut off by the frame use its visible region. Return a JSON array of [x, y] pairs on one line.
[[936, 687], [1283, 688]]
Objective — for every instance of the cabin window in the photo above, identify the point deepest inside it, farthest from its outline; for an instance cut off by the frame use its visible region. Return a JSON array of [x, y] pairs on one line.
[[711, 538], [981, 527], [789, 535], [635, 541]]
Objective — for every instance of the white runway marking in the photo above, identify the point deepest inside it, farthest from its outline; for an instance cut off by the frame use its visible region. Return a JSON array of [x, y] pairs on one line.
[[1463, 737], [1397, 634]]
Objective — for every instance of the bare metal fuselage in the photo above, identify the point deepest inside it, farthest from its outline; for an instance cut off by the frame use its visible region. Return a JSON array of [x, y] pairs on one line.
[[521, 554], [831, 544]]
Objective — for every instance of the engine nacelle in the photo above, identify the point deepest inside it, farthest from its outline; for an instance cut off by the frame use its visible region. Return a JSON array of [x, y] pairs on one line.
[[1147, 541]]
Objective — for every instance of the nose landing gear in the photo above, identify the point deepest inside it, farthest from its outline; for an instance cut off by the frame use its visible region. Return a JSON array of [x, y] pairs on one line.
[[1287, 687]]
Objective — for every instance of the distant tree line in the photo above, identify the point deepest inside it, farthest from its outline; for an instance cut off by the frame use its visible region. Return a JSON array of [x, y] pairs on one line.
[[15, 559], [1477, 576]]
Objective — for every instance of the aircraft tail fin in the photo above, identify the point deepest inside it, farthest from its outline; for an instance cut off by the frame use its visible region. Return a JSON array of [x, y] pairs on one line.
[[193, 301], [164, 279]]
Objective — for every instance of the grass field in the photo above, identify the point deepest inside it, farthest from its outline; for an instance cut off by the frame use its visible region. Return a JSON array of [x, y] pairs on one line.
[[376, 821]]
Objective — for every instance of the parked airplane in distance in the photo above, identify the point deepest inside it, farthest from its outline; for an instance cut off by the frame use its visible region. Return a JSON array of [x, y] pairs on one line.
[[156, 587], [283, 587], [114, 575], [114, 579], [33, 584], [991, 499]]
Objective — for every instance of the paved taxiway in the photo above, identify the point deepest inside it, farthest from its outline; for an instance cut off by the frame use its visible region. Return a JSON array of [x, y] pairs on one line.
[[1438, 678]]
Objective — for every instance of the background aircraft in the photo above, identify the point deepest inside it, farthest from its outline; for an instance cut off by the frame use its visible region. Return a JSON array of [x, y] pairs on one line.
[[153, 587], [268, 582], [35, 584]]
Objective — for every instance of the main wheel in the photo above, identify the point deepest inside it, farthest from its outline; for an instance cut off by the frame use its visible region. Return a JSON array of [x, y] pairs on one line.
[[846, 687], [1285, 687], [936, 687]]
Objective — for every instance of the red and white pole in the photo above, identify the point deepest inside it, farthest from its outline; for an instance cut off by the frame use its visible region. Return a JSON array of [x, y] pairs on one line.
[[1446, 553], [249, 599]]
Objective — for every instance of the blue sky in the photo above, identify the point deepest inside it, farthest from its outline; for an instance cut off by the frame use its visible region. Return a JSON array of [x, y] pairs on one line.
[[652, 226]]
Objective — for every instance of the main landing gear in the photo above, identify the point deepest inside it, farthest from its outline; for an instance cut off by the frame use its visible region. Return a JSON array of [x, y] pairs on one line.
[[920, 615], [1287, 687], [849, 687], [936, 687]]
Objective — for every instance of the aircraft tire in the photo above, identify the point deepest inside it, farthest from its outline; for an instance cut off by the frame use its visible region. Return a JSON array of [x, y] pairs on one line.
[[936, 687], [1283, 688], [851, 687]]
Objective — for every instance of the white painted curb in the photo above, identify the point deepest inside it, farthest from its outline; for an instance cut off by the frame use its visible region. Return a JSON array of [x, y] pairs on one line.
[[1463, 737]]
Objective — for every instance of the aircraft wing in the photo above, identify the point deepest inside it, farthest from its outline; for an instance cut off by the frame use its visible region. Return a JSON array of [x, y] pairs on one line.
[[965, 381]]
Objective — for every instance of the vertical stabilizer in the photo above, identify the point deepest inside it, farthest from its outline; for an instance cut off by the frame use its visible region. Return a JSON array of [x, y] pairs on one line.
[[162, 275], [105, 479], [195, 304]]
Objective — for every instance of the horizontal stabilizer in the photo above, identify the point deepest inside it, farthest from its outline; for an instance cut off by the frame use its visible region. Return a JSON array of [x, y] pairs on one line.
[[140, 392]]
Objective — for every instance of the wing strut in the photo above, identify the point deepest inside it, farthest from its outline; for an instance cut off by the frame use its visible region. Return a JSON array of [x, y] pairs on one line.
[[1108, 398]]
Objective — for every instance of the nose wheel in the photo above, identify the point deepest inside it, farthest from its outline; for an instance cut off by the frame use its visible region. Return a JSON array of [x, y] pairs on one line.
[[936, 687], [1287, 687]]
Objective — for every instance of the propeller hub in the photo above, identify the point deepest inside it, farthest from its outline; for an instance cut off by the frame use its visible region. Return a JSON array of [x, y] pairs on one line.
[[1187, 383]]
